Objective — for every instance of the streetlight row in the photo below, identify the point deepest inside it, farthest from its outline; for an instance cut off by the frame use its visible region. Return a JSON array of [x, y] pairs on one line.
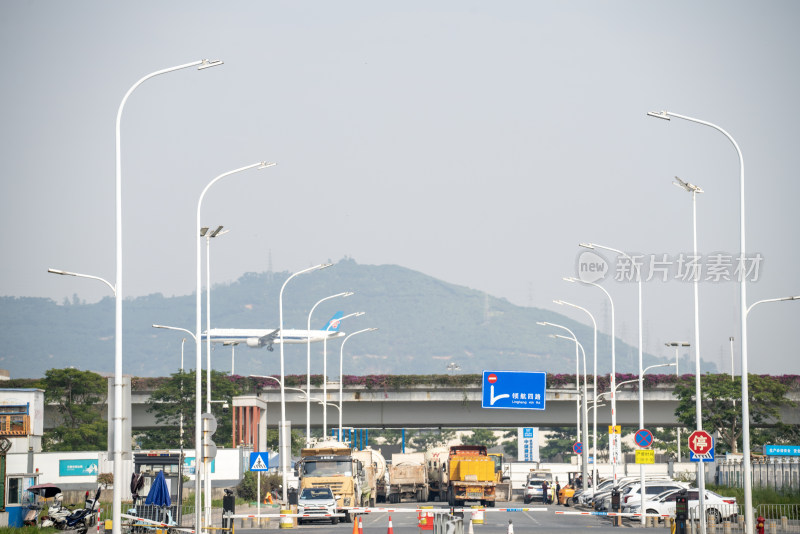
[[116, 289], [744, 311]]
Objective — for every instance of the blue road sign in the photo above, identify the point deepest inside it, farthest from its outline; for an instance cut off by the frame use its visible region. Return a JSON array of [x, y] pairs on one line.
[[259, 461], [644, 438], [577, 448], [705, 457], [513, 389], [782, 450]]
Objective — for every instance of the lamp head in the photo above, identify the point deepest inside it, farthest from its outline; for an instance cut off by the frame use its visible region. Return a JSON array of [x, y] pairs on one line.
[[687, 186], [208, 63], [586, 245], [568, 278], [559, 302], [659, 114], [216, 232], [59, 271], [203, 231], [265, 164], [542, 323]]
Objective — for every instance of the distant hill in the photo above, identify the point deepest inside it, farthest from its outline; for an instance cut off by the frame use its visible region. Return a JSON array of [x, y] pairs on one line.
[[424, 324]]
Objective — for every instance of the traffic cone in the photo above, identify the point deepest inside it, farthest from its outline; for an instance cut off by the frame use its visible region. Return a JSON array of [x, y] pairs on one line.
[[355, 525], [510, 527], [470, 530], [391, 529], [360, 526]]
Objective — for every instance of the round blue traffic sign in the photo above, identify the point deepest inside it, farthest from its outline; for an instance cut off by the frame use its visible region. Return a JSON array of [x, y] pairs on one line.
[[577, 448], [644, 438]]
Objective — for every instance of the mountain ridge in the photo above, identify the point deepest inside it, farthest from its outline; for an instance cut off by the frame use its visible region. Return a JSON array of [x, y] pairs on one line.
[[423, 325]]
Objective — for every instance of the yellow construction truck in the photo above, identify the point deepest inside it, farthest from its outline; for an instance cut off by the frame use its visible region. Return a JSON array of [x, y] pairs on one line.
[[467, 473], [332, 465]]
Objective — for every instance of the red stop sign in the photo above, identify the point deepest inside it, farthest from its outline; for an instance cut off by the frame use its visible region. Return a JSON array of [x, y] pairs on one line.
[[700, 442], [492, 378]]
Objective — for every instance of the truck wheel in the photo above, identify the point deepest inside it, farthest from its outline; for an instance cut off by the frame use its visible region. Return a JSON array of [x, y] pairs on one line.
[[488, 504], [347, 517], [451, 500], [419, 495], [334, 521]]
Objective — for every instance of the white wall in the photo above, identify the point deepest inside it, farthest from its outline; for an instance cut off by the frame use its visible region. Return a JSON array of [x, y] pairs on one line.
[[226, 466]]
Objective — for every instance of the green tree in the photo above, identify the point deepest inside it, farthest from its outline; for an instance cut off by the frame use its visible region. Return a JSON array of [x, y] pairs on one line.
[[175, 397], [480, 436], [722, 412], [559, 444], [422, 440], [511, 447], [298, 440], [390, 436], [248, 487], [79, 397]]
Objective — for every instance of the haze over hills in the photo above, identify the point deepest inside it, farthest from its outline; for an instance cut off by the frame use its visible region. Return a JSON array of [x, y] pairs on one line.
[[424, 324]]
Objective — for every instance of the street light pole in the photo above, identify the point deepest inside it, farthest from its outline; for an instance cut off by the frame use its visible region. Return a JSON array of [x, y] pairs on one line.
[[613, 437], [204, 232], [641, 385], [325, 374], [117, 423], [341, 369], [701, 468], [731, 340], [748, 489], [308, 363], [677, 345], [584, 459], [594, 388], [285, 441], [198, 444]]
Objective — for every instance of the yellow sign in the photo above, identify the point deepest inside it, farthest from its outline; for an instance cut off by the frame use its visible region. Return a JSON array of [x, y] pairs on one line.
[[645, 456], [618, 428]]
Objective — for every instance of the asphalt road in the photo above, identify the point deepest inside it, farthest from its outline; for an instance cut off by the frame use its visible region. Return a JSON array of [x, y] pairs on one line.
[[495, 522]]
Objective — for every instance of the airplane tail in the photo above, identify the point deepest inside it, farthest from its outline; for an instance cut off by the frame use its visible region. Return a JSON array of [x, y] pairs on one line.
[[333, 324]]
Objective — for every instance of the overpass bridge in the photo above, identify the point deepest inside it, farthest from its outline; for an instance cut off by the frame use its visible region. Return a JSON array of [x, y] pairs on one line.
[[454, 407]]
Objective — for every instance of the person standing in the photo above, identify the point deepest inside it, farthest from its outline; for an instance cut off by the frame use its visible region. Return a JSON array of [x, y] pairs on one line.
[[545, 496], [558, 492]]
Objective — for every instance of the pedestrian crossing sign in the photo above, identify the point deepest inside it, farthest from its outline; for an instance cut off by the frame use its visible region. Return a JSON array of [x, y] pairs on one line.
[[257, 462]]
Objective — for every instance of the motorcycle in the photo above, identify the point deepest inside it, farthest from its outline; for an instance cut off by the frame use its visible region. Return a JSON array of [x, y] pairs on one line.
[[81, 519]]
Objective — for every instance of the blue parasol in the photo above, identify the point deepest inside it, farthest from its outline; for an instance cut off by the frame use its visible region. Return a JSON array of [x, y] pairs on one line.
[[159, 492]]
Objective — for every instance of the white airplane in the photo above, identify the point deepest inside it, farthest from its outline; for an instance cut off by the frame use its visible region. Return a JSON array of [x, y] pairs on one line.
[[260, 337]]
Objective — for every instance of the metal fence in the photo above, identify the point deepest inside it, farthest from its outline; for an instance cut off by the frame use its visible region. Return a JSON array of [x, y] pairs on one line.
[[781, 473], [447, 524], [729, 518]]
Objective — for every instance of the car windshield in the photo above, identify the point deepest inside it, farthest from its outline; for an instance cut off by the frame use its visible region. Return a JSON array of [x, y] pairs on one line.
[[321, 468], [316, 493]]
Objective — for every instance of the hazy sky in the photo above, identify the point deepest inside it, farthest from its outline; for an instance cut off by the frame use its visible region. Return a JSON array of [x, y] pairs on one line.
[[476, 142]]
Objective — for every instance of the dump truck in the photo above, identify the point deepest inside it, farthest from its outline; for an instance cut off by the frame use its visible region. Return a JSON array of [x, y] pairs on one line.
[[332, 464], [374, 465], [465, 473], [408, 480]]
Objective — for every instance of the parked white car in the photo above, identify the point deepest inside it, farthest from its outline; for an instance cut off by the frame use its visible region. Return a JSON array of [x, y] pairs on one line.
[[633, 496], [318, 503], [717, 506], [602, 502]]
